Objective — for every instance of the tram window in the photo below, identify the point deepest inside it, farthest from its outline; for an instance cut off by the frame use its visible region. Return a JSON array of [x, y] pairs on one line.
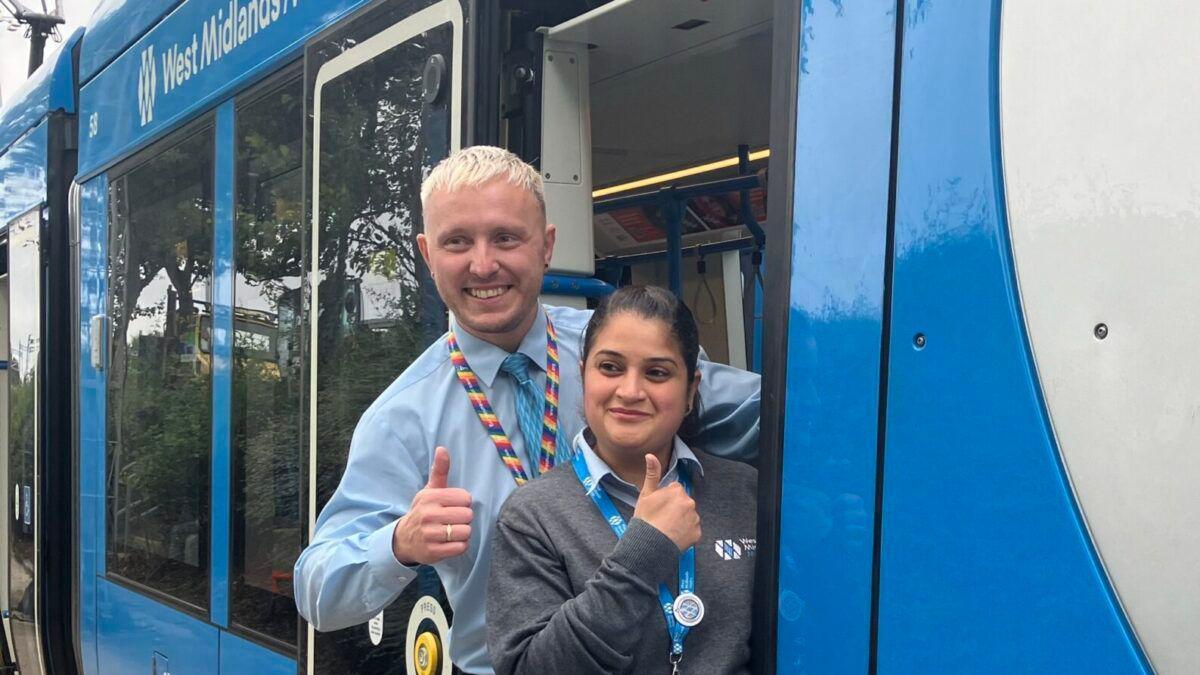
[[267, 376], [377, 306], [24, 335], [378, 128], [159, 384]]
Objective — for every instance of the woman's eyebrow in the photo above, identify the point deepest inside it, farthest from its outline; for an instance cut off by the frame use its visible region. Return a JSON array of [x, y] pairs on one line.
[[653, 359]]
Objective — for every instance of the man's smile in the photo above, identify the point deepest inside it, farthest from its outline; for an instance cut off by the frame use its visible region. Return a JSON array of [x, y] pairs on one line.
[[487, 293]]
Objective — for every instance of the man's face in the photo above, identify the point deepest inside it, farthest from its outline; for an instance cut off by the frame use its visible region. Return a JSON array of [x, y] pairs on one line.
[[487, 247]]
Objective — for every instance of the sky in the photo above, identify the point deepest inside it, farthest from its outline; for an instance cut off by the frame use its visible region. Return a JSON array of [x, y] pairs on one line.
[[14, 47]]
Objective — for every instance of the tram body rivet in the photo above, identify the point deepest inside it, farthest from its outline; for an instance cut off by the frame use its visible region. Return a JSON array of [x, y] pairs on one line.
[[919, 340], [523, 74], [1100, 331]]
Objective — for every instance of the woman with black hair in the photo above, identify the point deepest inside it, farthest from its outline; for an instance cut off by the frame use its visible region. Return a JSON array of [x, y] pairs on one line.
[[600, 566]]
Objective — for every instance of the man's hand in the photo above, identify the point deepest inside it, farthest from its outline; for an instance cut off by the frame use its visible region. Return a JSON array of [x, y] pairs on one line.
[[670, 510], [421, 536]]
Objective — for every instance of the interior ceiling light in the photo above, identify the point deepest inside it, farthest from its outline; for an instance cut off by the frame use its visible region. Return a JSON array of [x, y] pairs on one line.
[[689, 24], [676, 175]]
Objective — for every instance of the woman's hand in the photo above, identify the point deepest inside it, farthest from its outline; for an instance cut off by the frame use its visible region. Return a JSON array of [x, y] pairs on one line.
[[669, 510]]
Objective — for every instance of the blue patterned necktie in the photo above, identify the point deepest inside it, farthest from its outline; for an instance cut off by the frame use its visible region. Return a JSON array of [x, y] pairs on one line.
[[529, 406]]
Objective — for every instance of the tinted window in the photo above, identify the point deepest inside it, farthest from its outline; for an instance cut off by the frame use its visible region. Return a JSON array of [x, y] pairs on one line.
[[377, 308], [159, 382], [266, 362], [24, 344]]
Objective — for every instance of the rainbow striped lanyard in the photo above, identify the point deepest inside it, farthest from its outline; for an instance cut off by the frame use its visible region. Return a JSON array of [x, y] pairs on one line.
[[491, 423]]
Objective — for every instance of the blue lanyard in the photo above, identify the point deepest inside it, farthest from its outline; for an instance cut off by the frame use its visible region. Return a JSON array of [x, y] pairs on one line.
[[687, 562]]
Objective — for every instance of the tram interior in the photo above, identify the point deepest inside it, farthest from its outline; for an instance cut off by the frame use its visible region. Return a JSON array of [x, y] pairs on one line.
[[671, 89]]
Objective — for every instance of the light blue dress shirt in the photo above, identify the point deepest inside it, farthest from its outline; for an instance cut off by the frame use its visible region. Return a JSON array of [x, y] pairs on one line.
[[348, 573]]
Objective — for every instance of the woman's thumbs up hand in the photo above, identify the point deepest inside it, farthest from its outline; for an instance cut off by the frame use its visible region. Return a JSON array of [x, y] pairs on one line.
[[668, 509]]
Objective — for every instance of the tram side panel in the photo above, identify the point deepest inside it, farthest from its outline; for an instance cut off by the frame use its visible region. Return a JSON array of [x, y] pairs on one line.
[[93, 339], [152, 591], [1101, 165], [985, 561], [835, 319]]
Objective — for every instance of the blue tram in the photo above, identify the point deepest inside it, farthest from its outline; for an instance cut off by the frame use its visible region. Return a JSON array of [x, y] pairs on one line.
[[957, 239]]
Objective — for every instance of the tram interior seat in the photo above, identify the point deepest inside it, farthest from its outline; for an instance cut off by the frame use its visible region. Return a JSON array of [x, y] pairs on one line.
[[667, 85]]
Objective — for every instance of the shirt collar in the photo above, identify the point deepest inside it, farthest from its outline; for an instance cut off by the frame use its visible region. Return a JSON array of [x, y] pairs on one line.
[[599, 469], [485, 358]]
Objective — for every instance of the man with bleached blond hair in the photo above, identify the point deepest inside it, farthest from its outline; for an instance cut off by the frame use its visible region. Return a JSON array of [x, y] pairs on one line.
[[491, 404]]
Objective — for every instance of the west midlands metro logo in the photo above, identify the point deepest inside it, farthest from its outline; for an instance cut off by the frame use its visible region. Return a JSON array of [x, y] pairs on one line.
[[735, 549], [147, 84], [217, 36]]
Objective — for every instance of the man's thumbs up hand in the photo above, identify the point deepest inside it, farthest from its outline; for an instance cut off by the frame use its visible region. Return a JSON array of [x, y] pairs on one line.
[[669, 510], [440, 473], [438, 523]]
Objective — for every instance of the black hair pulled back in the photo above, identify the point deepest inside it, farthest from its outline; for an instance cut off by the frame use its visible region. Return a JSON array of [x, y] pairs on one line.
[[657, 304]]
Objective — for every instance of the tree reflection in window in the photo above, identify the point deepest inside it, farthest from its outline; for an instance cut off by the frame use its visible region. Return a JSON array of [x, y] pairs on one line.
[[267, 377], [24, 376], [159, 382], [378, 308]]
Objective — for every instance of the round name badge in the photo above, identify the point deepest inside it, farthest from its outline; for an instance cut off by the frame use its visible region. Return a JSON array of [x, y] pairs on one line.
[[688, 609]]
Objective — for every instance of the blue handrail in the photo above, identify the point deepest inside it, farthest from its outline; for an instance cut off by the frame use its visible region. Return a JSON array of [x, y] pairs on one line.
[[583, 287]]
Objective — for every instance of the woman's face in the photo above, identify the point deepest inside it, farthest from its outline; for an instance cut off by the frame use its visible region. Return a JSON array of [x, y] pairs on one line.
[[635, 388]]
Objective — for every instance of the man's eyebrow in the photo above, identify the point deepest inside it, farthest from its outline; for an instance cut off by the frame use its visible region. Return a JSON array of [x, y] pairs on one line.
[[444, 233]]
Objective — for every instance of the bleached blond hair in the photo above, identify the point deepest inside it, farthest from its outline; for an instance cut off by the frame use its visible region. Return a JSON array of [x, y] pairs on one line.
[[473, 166]]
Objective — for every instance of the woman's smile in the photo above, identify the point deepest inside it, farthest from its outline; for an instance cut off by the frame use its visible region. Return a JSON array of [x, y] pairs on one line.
[[628, 415]]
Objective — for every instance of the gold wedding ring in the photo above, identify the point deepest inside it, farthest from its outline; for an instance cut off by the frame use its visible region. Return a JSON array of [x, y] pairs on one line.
[[449, 533]]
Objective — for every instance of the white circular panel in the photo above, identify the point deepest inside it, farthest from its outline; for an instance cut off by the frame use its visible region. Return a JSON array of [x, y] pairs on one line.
[[427, 608], [1099, 102]]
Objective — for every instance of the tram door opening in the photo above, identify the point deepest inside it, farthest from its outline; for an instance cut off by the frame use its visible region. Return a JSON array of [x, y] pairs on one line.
[[654, 120], [383, 101], [663, 95], [630, 97]]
